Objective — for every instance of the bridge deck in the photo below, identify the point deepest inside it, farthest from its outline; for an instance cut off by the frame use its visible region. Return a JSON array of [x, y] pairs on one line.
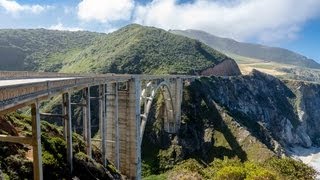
[[18, 82]]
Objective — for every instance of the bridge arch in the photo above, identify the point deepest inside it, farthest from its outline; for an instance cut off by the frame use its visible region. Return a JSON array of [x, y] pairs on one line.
[[148, 95]]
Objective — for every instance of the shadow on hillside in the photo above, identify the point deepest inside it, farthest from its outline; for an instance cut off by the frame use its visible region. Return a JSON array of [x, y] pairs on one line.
[[220, 125], [210, 117]]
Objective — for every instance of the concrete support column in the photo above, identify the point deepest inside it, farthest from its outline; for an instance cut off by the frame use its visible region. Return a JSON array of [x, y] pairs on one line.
[[169, 111], [36, 142], [87, 121], [66, 111], [129, 124], [112, 139], [178, 101], [102, 121]]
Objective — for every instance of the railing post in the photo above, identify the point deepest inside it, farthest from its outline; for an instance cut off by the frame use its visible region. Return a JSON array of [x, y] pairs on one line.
[[102, 121], [68, 128], [87, 121], [36, 145]]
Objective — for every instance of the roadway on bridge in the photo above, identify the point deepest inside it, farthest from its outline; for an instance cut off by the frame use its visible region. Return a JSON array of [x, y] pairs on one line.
[[6, 83]]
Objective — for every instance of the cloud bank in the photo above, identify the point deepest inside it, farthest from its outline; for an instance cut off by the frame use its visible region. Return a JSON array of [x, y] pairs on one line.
[[265, 20], [14, 7], [105, 10]]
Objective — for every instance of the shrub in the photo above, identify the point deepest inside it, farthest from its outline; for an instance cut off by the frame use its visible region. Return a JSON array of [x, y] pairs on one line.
[[231, 173], [291, 168]]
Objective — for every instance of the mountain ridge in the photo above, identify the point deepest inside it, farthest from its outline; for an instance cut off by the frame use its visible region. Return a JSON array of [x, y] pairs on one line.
[[131, 49], [251, 50]]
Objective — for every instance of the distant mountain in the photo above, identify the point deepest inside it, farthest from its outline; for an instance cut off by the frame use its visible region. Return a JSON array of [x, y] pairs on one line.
[[230, 46], [132, 49]]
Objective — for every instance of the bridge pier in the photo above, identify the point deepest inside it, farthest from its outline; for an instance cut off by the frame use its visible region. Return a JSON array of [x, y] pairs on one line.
[[36, 142], [102, 121], [66, 111], [178, 101], [112, 132], [87, 121], [123, 127]]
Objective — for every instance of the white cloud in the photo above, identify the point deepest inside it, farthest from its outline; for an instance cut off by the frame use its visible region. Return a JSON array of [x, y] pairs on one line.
[[105, 10], [14, 7], [61, 27], [267, 20]]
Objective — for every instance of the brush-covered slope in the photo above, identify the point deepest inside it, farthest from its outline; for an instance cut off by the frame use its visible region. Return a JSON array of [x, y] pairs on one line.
[[28, 49], [132, 49], [249, 50], [138, 49], [16, 159]]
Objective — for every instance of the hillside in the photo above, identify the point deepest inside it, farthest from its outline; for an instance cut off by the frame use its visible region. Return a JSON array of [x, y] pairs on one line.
[[138, 49], [28, 49], [255, 51], [132, 49]]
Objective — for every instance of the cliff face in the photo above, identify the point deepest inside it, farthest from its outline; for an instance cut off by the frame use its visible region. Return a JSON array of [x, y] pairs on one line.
[[252, 117], [286, 111], [307, 108]]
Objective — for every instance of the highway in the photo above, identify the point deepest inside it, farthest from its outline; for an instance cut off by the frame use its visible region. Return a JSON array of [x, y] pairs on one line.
[[6, 83]]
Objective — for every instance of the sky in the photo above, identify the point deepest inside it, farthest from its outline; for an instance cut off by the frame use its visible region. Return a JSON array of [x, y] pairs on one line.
[[291, 24]]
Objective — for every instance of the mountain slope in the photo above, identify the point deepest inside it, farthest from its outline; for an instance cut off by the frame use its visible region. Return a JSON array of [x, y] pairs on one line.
[[28, 49], [132, 49], [256, 51], [138, 49]]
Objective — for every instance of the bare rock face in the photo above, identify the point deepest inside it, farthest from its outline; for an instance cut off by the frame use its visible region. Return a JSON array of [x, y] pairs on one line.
[[307, 107], [227, 67], [289, 111]]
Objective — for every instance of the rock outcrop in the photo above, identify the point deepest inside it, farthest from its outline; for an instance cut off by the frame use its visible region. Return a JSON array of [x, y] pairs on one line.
[[227, 67], [287, 110]]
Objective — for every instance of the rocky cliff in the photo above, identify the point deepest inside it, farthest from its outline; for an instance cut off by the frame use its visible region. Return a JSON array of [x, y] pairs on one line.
[[251, 117], [284, 111]]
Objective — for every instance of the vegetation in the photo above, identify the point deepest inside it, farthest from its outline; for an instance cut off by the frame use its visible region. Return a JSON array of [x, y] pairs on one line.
[[132, 49], [16, 159], [25, 49], [234, 169]]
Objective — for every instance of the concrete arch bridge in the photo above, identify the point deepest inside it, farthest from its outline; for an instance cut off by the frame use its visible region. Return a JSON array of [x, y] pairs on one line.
[[124, 106]]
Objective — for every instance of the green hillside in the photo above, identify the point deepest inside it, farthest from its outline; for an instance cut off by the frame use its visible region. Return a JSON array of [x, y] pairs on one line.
[[28, 49], [138, 49], [132, 49], [256, 51]]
